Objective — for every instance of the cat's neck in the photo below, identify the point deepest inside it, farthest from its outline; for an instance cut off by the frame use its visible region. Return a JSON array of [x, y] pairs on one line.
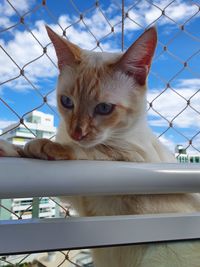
[[139, 134], [140, 127]]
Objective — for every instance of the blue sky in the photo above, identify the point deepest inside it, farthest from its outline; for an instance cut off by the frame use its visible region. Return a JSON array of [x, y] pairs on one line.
[[24, 42]]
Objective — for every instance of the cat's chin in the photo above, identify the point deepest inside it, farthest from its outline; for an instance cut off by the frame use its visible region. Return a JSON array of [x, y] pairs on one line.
[[87, 143]]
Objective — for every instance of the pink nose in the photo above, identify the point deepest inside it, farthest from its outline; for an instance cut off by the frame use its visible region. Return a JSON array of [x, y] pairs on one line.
[[77, 134]]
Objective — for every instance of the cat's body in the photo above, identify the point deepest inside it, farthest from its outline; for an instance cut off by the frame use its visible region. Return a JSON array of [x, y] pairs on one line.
[[157, 255], [102, 101]]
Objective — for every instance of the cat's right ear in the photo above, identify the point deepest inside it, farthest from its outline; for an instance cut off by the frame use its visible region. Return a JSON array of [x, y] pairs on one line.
[[67, 53]]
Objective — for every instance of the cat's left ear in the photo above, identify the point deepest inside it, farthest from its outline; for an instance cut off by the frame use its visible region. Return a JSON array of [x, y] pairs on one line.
[[136, 61], [67, 52]]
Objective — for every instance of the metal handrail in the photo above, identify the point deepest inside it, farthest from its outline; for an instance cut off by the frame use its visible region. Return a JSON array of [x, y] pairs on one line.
[[36, 178], [36, 235], [30, 178]]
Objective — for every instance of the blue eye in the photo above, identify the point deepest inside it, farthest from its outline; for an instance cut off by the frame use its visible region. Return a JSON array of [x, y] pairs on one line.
[[66, 102], [104, 108]]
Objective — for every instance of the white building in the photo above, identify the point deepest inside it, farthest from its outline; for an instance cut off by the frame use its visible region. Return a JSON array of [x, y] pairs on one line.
[[36, 124], [184, 157], [40, 125], [26, 207]]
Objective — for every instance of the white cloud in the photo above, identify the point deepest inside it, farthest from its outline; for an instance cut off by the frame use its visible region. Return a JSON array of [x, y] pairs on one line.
[[20, 5], [80, 33], [145, 13], [7, 11], [181, 10], [4, 123], [194, 83], [23, 49], [194, 148], [168, 143], [170, 104], [28, 53], [4, 21], [51, 99]]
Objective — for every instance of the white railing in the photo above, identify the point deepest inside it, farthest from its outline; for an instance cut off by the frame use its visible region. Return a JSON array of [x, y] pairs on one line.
[[35, 178]]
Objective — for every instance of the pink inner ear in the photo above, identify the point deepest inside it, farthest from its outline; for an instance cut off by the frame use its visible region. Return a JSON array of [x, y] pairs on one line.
[[149, 52], [64, 54], [65, 57], [137, 59]]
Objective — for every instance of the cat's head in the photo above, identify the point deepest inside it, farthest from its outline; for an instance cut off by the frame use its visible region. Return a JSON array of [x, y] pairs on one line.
[[100, 96]]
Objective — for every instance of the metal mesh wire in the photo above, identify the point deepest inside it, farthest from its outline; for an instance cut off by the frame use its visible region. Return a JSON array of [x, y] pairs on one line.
[[29, 64]]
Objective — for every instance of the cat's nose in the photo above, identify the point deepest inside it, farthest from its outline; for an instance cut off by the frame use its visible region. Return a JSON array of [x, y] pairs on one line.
[[77, 135]]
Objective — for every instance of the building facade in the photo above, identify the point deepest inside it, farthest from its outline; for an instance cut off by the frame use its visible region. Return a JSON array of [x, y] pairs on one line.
[[184, 157], [36, 124], [40, 125]]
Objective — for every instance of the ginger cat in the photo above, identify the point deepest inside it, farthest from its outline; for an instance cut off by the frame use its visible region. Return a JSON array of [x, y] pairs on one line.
[[102, 102]]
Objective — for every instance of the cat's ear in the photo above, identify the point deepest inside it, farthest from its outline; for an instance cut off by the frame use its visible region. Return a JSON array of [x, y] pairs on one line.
[[136, 61], [67, 53]]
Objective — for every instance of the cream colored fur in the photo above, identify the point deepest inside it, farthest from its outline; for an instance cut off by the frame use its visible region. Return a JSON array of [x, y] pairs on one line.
[[8, 150], [142, 146]]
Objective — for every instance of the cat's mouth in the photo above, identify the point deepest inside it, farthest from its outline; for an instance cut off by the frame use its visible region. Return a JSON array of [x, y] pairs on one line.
[[87, 139]]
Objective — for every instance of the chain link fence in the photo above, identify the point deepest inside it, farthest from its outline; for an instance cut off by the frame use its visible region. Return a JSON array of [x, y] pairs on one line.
[[28, 75]]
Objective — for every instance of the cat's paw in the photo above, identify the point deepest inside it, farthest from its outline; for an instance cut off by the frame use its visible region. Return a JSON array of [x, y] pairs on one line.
[[47, 150], [8, 150]]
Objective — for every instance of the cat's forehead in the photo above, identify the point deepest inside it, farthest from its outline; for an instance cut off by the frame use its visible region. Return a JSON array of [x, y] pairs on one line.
[[99, 59], [88, 75], [93, 79]]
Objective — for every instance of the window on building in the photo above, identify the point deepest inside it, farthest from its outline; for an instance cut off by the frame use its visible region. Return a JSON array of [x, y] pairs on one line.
[[46, 209], [26, 202], [23, 130], [44, 201], [183, 159], [39, 134], [33, 119]]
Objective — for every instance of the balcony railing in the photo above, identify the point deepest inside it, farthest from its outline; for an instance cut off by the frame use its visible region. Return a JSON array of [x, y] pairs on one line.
[[36, 178]]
